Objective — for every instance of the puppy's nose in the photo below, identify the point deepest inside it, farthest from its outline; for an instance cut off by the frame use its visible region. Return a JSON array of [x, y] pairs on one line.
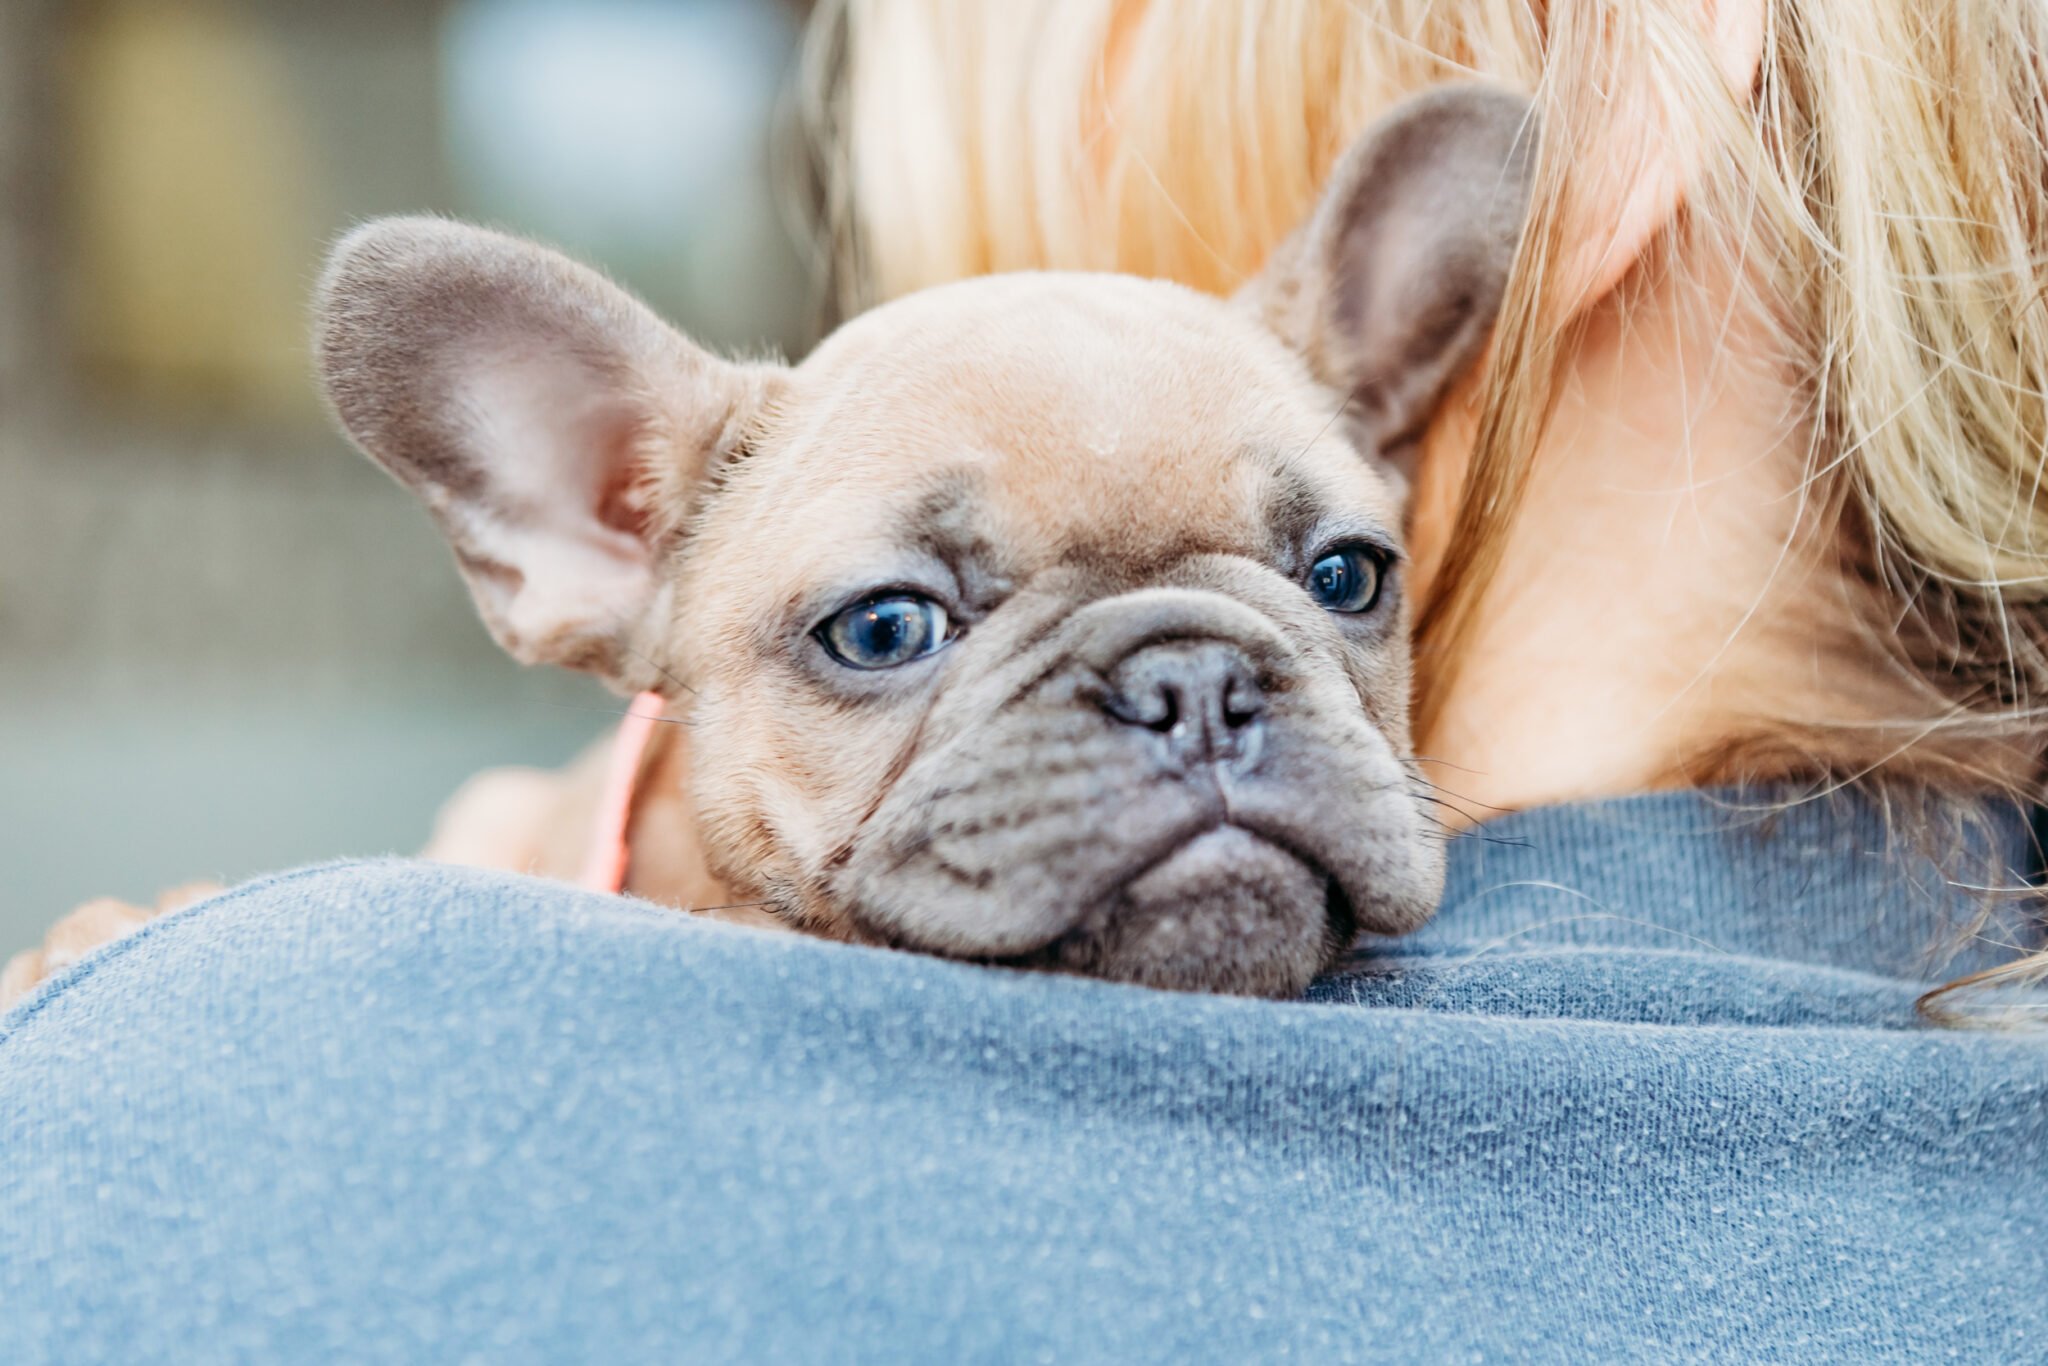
[[1201, 697]]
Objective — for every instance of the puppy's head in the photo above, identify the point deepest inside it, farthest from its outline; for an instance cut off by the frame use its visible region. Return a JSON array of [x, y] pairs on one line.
[[1049, 619]]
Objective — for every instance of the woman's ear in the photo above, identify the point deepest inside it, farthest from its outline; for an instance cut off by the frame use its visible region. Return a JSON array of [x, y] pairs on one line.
[[1641, 167], [1391, 288], [555, 428]]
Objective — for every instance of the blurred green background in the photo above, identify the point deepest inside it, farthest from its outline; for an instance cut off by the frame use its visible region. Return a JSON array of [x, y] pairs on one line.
[[227, 643]]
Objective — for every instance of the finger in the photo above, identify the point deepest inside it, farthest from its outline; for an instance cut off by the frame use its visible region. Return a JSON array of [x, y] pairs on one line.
[[178, 898], [20, 976], [85, 929]]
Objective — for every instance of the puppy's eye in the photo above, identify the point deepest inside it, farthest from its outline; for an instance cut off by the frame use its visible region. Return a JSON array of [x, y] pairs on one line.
[[884, 632], [1346, 580]]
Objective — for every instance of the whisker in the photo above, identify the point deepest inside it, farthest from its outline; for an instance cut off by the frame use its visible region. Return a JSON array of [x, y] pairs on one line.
[[1453, 836], [1474, 801], [658, 668], [1446, 763], [1342, 408], [1444, 802], [620, 712]]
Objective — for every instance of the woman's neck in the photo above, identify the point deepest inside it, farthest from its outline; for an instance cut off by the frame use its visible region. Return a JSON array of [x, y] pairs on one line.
[[1664, 591]]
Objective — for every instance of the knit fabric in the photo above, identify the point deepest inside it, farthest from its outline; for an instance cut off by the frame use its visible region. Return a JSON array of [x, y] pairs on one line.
[[1651, 1087]]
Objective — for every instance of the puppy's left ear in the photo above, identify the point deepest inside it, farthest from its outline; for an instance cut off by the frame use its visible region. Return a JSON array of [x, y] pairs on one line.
[[1391, 287], [557, 430]]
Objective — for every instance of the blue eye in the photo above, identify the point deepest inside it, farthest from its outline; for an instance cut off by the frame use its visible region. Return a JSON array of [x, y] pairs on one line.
[[885, 632], [1346, 580]]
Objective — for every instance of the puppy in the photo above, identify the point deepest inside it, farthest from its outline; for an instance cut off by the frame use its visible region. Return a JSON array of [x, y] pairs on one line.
[[1054, 620]]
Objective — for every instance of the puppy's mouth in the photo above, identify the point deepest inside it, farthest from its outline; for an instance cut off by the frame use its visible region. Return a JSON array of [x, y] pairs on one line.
[[1228, 908], [1202, 878]]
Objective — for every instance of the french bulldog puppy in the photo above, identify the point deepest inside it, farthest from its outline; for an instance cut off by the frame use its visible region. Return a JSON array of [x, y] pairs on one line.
[[1053, 620]]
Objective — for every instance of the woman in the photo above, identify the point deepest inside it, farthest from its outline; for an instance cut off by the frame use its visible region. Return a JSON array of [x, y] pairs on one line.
[[1752, 490], [1734, 578]]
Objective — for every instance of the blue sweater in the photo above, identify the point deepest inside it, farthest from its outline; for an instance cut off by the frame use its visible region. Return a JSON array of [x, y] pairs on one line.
[[1651, 1087]]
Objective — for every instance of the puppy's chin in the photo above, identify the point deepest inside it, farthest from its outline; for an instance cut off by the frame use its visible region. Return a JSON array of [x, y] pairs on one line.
[[1226, 911]]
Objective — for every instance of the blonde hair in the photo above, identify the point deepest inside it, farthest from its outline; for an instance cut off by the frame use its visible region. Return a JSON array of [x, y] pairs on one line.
[[1884, 186]]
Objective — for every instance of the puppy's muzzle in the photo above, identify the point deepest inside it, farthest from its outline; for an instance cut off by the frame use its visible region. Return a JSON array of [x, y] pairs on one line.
[[1170, 801]]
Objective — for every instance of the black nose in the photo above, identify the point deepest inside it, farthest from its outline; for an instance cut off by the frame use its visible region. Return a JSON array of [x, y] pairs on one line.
[[1202, 697]]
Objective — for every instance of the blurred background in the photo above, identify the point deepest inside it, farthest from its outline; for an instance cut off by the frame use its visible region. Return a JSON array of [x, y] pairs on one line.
[[227, 642]]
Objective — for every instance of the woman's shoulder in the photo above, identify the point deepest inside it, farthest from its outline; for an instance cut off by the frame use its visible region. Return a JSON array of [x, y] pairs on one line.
[[404, 1109]]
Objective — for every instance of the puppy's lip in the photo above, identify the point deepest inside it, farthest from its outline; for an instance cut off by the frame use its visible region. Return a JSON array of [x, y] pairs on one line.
[[1189, 843], [1212, 809], [1340, 913], [1206, 813], [1351, 877], [1177, 935], [1220, 820]]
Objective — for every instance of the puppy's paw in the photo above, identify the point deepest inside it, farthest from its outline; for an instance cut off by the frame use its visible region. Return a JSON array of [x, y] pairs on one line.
[[500, 818], [85, 929]]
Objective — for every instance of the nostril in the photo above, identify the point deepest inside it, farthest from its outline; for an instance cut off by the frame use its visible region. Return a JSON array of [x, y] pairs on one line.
[[1204, 699], [1167, 712], [1243, 702], [1153, 707]]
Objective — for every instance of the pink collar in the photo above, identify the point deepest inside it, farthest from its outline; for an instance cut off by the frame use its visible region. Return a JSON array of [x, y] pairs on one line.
[[604, 868]]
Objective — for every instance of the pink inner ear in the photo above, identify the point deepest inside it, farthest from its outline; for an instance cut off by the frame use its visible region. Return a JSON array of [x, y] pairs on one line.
[[557, 511], [522, 396], [548, 429], [622, 502]]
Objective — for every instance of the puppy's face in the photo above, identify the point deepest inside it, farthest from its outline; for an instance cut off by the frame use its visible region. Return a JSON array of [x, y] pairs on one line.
[[1048, 619], [1072, 633]]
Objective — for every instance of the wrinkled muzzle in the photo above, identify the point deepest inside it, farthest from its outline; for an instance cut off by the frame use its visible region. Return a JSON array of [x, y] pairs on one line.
[[1165, 791]]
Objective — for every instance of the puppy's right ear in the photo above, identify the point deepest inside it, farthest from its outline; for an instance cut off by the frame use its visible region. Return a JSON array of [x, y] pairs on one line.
[[1390, 289], [557, 430]]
